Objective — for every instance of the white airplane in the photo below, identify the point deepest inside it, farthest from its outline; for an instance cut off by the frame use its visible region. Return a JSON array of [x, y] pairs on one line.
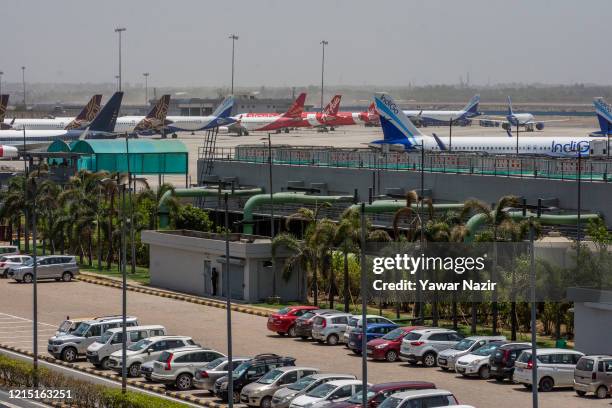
[[145, 125], [439, 117], [400, 132], [87, 114], [527, 120], [219, 118], [8, 152]]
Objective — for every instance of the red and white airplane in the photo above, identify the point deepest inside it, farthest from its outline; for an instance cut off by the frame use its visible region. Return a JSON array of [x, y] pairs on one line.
[[273, 121]]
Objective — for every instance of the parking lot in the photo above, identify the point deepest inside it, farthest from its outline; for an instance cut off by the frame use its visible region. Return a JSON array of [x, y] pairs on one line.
[[207, 326]]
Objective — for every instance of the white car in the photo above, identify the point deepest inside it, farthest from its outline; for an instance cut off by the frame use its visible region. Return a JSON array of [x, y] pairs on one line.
[[555, 368], [12, 261], [333, 391], [448, 357], [420, 398], [178, 367], [477, 362], [423, 345], [355, 322]]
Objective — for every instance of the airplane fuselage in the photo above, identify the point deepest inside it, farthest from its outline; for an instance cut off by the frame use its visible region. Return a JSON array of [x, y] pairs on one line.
[[439, 116], [39, 124]]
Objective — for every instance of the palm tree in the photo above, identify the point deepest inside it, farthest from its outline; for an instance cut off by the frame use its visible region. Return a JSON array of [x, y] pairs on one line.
[[347, 236], [155, 197], [13, 204]]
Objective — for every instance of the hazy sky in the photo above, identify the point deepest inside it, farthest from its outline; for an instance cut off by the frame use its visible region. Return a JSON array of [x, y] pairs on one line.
[[373, 42]]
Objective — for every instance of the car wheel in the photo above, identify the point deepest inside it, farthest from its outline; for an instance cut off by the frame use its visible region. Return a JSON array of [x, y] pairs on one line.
[[134, 370], [66, 276], [356, 351], [528, 386], [581, 393], [429, 359], [602, 392], [391, 356], [28, 278], [484, 372], [499, 379], [444, 368], [266, 402], [184, 382], [69, 354], [58, 279], [280, 333], [332, 339], [412, 363], [104, 364], [546, 384], [304, 337], [291, 331]]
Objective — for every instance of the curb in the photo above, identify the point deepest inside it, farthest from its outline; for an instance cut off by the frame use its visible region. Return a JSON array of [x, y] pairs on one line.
[[132, 382]]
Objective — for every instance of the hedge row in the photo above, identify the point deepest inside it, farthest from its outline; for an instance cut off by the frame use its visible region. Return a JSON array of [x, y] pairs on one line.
[[20, 374]]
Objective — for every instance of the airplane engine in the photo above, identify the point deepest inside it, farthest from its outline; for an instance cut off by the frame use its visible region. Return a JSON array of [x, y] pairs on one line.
[[539, 125], [8, 152]]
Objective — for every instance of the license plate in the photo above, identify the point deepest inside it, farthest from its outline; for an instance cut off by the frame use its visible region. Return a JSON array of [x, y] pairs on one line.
[[244, 399], [370, 352], [442, 360]]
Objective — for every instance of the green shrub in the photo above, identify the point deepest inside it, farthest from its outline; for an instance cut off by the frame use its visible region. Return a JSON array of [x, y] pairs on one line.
[[192, 218]]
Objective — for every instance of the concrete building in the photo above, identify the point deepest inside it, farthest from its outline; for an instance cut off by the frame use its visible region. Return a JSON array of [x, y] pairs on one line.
[[243, 104], [592, 320], [194, 262]]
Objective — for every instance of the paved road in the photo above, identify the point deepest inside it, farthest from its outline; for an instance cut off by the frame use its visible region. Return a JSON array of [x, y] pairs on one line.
[[207, 326]]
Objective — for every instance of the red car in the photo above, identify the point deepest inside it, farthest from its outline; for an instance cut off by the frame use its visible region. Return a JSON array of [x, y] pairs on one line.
[[379, 392], [388, 346], [282, 322]]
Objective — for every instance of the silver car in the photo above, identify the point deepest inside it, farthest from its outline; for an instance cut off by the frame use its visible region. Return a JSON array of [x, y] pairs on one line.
[[12, 261], [330, 328], [58, 267], [593, 374], [447, 358], [283, 397], [260, 392], [355, 323], [206, 376], [178, 367], [423, 345]]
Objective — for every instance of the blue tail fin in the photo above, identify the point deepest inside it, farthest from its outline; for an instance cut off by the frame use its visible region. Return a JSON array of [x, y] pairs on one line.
[[396, 126], [510, 112], [224, 110], [107, 117], [604, 115], [471, 109]]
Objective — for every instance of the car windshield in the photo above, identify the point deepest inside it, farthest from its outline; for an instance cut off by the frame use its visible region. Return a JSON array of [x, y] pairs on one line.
[[29, 262], [270, 377], [105, 337], [356, 398], [353, 321], [463, 344], [65, 326], [486, 350], [215, 363], [238, 371], [81, 330], [283, 311], [301, 384], [394, 334], [142, 344], [391, 402], [321, 391], [307, 315]]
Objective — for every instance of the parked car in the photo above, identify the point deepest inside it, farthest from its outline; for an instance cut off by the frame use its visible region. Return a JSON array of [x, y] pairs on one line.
[[448, 357], [477, 362], [502, 360], [303, 324], [260, 392], [69, 347], [146, 369], [111, 340], [355, 322], [206, 376], [420, 398], [70, 324], [250, 371], [373, 331], [58, 267], [283, 397], [147, 350], [9, 250], [332, 391], [330, 328], [12, 261], [377, 393], [388, 346], [593, 374], [283, 321], [177, 367], [423, 345], [555, 368]]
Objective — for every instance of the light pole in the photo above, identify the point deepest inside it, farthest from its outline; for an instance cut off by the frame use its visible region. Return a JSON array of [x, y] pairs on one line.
[[123, 294], [323, 44], [532, 276], [579, 198], [117, 82], [228, 307], [1, 73], [450, 135], [364, 305], [23, 83], [119, 30], [270, 163], [233, 37], [146, 77]]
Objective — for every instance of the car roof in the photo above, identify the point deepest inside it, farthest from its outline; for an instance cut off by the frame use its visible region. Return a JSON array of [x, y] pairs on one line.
[[16, 256], [137, 328], [191, 349], [376, 325], [516, 345], [303, 307], [401, 384], [156, 338], [598, 356], [433, 330], [294, 368], [320, 376], [54, 256], [340, 383], [411, 328], [108, 320], [421, 393], [477, 338], [543, 351], [336, 314]]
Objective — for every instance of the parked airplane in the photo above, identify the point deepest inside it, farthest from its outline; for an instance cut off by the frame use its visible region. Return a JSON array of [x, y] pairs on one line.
[[219, 118], [333, 118], [102, 127], [267, 122], [527, 120], [440, 117], [145, 125], [8, 152], [604, 117], [87, 114], [400, 132]]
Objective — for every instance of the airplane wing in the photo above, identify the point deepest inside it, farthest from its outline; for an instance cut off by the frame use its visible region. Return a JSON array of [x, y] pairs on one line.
[[547, 121]]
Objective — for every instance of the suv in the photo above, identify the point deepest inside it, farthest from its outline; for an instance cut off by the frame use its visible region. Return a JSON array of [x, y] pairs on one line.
[[502, 360], [355, 323], [12, 261], [206, 376], [421, 398], [330, 328], [47, 267], [555, 368], [69, 347], [250, 371], [99, 351], [147, 350], [373, 331], [379, 392], [303, 324], [178, 367], [259, 393], [424, 345], [283, 397], [283, 321], [448, 357], [8, 250], [593, 374]]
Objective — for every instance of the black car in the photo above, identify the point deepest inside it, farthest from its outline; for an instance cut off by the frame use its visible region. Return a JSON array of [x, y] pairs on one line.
[[502, 360], [250, 371]]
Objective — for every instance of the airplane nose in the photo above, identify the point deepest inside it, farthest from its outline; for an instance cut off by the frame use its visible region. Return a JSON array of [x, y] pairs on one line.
[[8, 152]]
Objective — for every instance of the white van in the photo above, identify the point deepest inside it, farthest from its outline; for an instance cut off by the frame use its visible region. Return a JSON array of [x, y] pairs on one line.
[[111, 341]]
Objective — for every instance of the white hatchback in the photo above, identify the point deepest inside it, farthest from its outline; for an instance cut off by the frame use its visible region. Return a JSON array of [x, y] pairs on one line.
[[555, 368]]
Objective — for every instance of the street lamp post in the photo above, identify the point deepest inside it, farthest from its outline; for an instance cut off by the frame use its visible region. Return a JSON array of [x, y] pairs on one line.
[[124, 294], [119, 30], [24, 86], [272, 229], [1, 73], [532, 278], [364, 305], [228, 308], [233, 37], [323, 44], [146, 77]]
